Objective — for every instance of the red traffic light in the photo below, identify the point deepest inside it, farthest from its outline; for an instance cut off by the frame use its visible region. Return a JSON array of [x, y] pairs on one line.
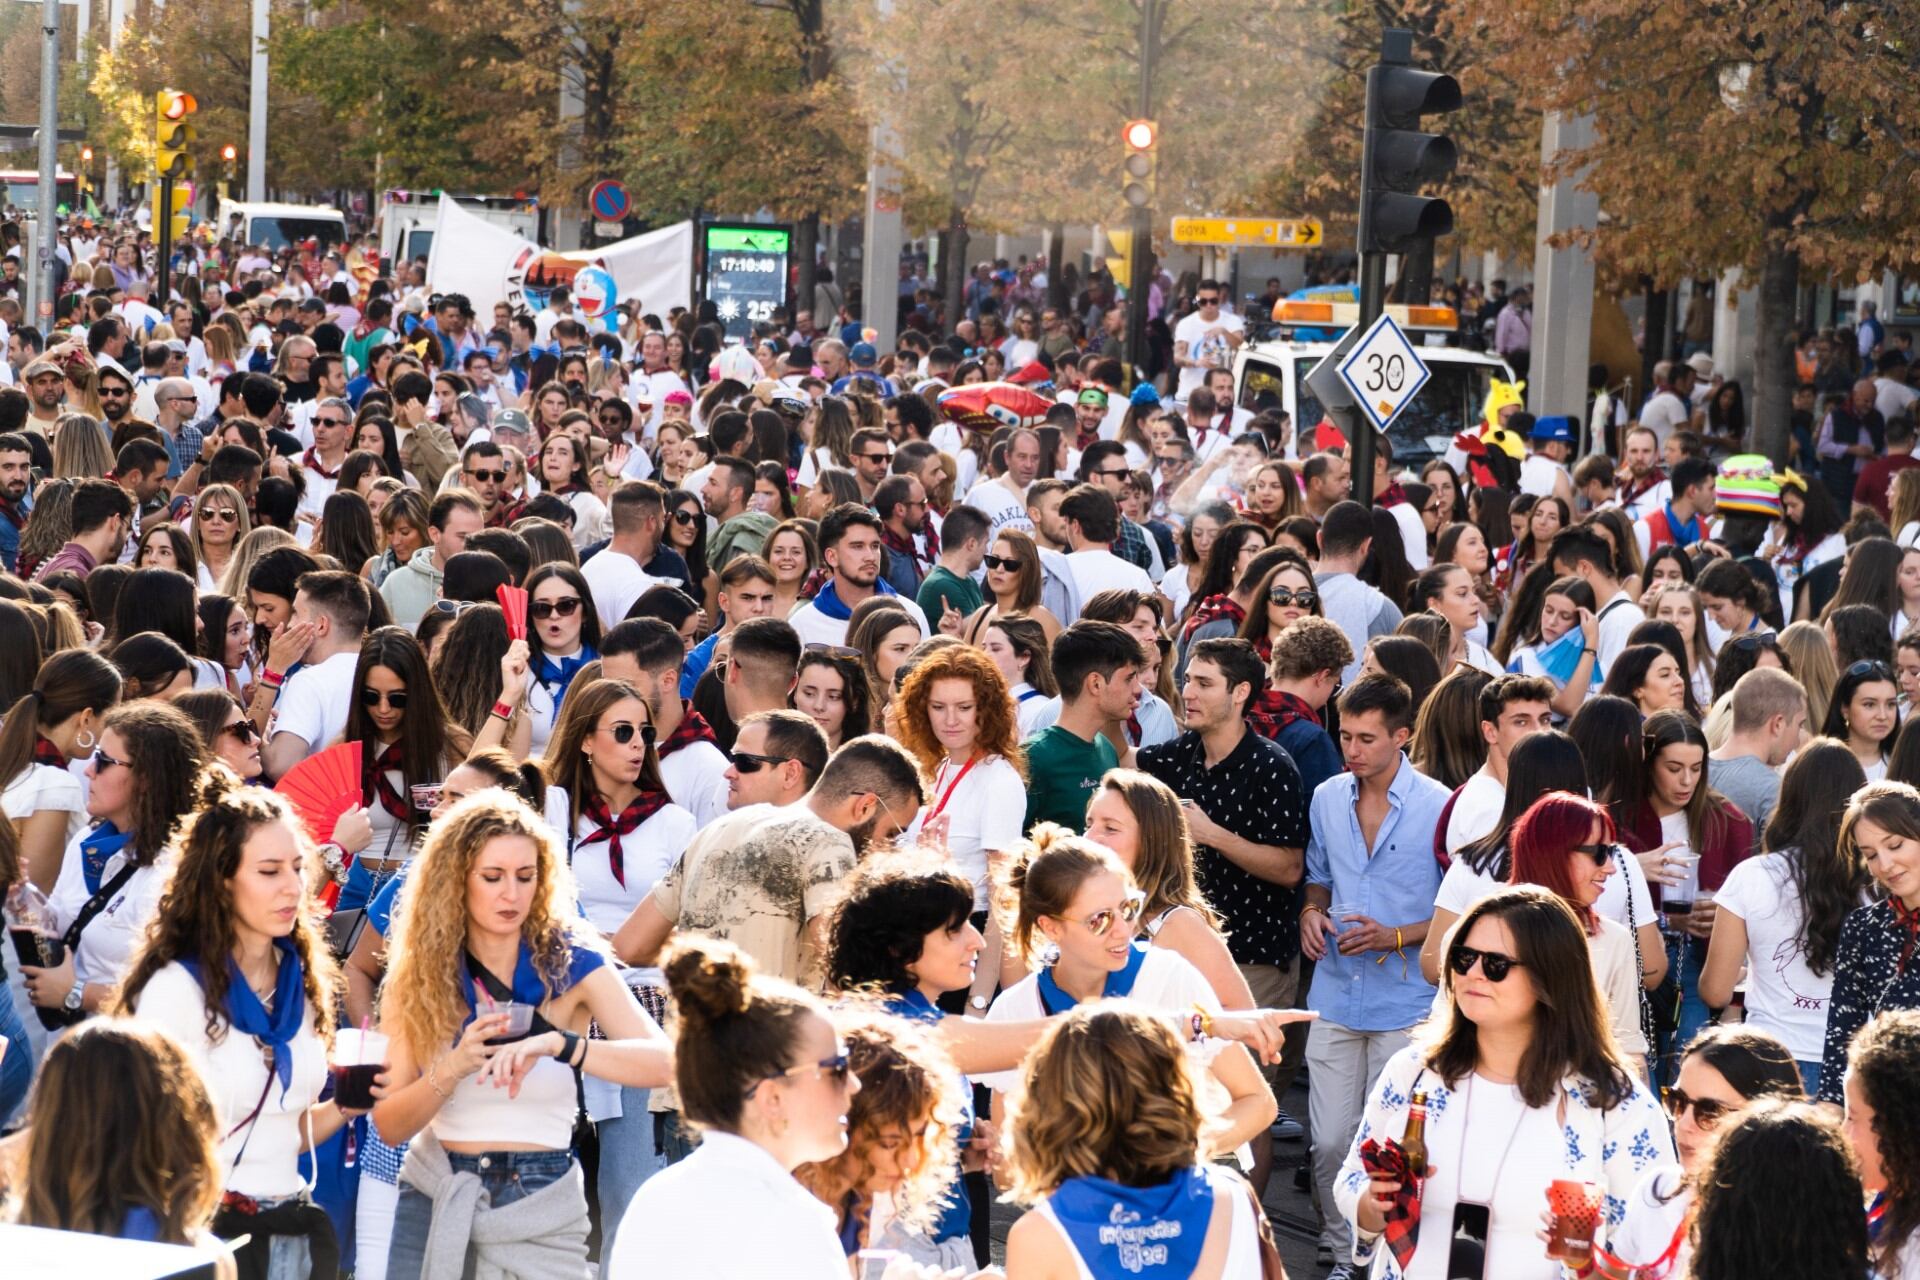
[[1139, 135], [229, 153]]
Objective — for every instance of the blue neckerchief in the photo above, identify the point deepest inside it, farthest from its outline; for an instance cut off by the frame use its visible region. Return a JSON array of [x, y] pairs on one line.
[[97, 850], [827, 600], [249, 1017], [914, 1006], [1119, 983], [1684, 535], [140, 1224], [1125, 1233], [557, 675], [528, 988]]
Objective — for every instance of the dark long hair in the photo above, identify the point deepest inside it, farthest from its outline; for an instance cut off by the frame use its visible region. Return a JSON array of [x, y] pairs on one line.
[[696, 555], [1885, 1059], [19, 652], [161, 600], [1409, 658], [347, 530], [1545, 760], [1741, 654], [1607, 731], [69, 682], [589, 615], [1668, 637], [1571, 1035], [1850, 682], [1386, 566], [1217, 576], [1779, 1196], [427, 739], [1828, 880], [164, 751]]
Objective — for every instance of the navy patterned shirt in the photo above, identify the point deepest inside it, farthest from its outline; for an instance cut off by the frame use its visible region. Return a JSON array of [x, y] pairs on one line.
[[1256, 794], [1867, 978]]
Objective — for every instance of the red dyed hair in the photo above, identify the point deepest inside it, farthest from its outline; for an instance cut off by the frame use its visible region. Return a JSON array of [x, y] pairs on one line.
[[1543, 837]]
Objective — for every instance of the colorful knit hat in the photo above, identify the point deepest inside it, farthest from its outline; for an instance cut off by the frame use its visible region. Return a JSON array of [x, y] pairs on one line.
[[1747, 486]]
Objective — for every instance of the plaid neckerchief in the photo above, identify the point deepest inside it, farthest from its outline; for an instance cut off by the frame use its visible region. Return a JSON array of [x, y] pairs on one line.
[[1402, 1230]]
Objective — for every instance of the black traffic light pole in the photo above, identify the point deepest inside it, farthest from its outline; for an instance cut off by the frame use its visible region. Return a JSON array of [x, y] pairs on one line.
[[163, 236], [1140, 247], [1395, 161]]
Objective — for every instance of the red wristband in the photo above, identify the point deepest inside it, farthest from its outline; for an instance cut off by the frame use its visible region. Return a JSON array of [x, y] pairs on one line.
[[269, 676], [502, 710]]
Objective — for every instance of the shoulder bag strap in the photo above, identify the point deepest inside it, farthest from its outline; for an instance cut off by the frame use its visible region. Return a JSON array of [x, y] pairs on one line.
[[1639, 961], [98, 903]]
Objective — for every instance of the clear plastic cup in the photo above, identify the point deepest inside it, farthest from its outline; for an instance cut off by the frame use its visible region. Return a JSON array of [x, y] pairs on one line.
[[425, 796], [519, 1021], [358, 1057]]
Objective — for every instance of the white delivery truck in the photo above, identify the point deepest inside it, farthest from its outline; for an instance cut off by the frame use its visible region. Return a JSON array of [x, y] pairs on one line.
[[1452, 400], [406, 220], [276, 226]]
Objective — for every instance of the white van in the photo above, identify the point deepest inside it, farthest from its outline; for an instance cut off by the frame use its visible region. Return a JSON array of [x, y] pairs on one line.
[[276, 226]]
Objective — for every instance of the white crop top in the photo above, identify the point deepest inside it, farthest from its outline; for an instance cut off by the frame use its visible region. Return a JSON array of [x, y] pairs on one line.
[[481, 1112]]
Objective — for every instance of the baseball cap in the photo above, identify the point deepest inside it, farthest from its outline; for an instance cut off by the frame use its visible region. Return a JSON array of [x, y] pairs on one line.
[[863, 355], [512, 420], [1554, 427]]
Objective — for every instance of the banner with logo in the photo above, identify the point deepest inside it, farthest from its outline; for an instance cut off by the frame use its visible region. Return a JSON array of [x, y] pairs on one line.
[[491, 264]]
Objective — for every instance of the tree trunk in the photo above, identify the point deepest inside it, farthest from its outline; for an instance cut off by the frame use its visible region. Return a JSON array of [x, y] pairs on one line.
[[806, 248], [954, 272], [1774, 372], [1056, 268], [1654, 349]]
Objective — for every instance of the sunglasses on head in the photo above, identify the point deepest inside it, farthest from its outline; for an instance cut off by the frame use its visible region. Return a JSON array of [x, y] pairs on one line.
[[1008, 563], [565, 607], [750, 762], [498, 477], [1100, 923], [1706, 1112], [1756, 640], [833, 650], [395, 699], [455, 607], [1870, 667], [1493, 965], [1284, 596], [623, 733]]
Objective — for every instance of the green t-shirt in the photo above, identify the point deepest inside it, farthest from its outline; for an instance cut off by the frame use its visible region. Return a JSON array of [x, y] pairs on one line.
[[1065, 770], [943, 585]]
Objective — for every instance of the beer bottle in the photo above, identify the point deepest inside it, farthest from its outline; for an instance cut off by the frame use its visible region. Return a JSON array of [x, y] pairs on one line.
[[1414, 1141]]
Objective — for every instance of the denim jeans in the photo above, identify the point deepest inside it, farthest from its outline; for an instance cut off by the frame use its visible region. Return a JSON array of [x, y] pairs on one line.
[[16, 1066], [1809, 1076], [627, 1158], [507, 1176]]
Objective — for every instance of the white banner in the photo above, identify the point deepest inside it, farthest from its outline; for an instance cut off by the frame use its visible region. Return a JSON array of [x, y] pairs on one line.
[[491, 264]]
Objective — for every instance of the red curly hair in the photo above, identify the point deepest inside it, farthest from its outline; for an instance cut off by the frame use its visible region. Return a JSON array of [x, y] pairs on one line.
[[997, 728]]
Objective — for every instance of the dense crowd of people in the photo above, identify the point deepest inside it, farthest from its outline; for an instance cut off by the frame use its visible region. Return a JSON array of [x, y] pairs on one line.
[[827, 812]]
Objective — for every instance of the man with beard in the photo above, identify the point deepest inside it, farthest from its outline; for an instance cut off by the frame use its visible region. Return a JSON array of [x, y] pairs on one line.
[[115, 390], [47, 389], [16, 471], [850, 546]]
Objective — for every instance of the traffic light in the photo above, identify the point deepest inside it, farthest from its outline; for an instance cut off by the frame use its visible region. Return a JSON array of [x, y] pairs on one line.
[[170, 220], [1140, 137], [1397, 159], [172, 133]]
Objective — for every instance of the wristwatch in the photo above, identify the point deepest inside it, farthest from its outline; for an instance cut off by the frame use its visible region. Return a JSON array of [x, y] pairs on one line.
[[976, 1002], [72, 1003]]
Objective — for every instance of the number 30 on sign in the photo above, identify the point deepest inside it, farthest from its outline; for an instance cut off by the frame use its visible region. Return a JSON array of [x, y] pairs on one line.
[[1384, 371]]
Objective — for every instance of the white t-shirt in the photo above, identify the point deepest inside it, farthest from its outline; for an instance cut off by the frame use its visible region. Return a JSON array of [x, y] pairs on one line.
[[314, 701], [1476, 811], [41, 786], [107, 943], [1462, 886], [659, 384], [616, 580], [646, 853], [1784, 996], [1665, 414], [591, 521], [1538, 473], [1618, 617], [1167, 982], [696, 778], [1478, 656], [816, 627], [1655, 1211], [1206, 351], [236, 1069], [1096, 570], [986, 812], [313, 499], [1413, 534], [1000, 505]]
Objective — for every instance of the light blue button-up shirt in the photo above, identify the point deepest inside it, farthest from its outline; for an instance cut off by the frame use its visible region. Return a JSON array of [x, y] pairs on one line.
[[1395, 885]]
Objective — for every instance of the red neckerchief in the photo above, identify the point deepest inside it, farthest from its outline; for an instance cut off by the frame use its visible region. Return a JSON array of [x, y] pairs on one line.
[[378, 788], [1084, 439], [1651, 480], [608, 828], [1213, 609], [11, 514], [1274, 709], [693, 727], [1909, 919], [505, 513], [904, 547], [1391, 496], [931, 536], [311, 460], [44, 752]]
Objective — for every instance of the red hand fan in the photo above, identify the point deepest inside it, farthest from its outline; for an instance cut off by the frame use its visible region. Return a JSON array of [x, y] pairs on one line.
[[320, 789], [1328, 438], [513, 603]]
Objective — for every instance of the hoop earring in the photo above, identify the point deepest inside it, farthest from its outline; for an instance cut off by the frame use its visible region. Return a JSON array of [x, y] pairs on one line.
[[85, 740]]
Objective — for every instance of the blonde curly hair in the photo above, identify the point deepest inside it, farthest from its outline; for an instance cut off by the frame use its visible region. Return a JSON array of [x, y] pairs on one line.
[[423, 998], [1106, 1093]]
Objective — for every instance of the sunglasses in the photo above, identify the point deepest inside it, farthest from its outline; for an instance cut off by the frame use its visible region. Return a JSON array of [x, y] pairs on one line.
[[242, 731], [1284, 596], [1101, 922], [748, 762], [1756, 640], [1493, 965], [564, 607], [1600, 853], [1706, 1112], [834, 1069], [685, 517], [623, 733], [396, 700], [1110, 472], [1206, 302], [114, 393], [833, 650], [498, 477], [101, 760], [876, 457], [226, 515], [1870, 667], [318, 422], [456, 607], [1009, 563]]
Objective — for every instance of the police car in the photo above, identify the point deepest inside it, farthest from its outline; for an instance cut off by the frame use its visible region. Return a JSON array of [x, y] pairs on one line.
[[1452, 400]]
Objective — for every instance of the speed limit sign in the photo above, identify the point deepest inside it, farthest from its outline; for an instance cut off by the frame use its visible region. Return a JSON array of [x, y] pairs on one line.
[[1384, 371]]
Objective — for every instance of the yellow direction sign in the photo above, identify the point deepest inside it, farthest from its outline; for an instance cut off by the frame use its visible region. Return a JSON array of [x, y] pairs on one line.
[[1270, 233]]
